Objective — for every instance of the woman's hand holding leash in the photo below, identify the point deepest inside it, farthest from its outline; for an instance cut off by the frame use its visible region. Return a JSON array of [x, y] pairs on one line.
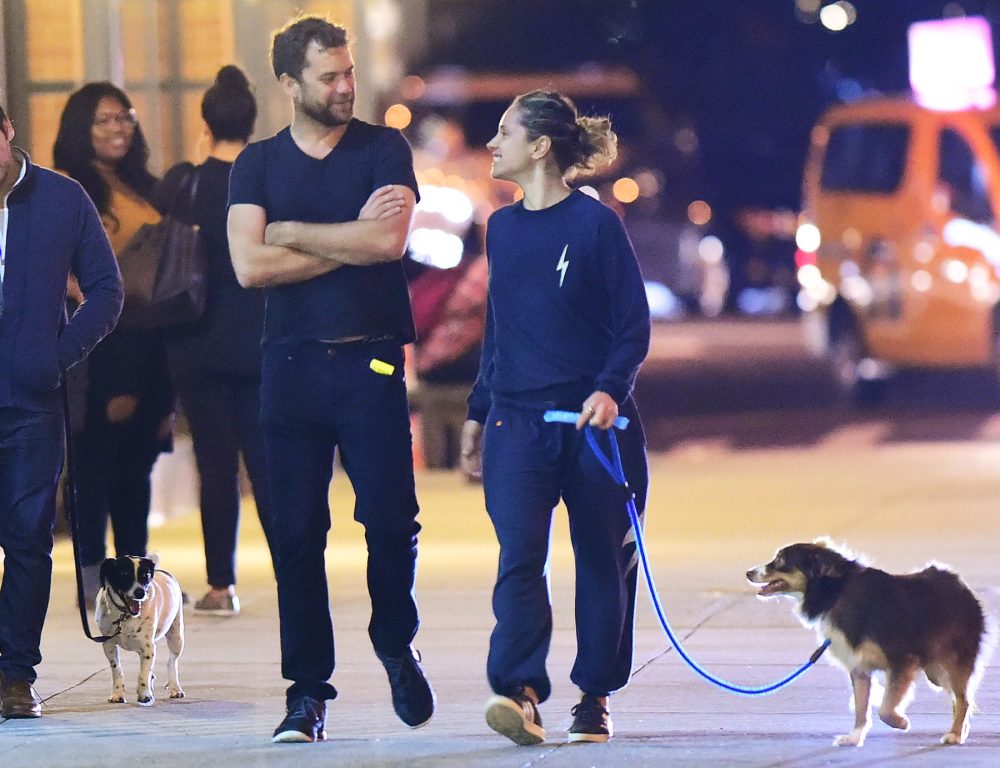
[[599, 410]]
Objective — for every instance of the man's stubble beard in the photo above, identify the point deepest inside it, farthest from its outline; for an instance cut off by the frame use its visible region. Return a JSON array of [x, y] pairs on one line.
[[324, 116]]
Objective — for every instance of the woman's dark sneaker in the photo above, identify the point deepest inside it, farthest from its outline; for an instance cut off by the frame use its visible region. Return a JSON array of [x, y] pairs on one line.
[[591, 720], [305, 721], [412, 696], [516, 717]]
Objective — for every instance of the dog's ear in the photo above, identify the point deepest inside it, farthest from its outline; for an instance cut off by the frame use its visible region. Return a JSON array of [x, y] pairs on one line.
[[154, 557], [106, 569], [829, 562]]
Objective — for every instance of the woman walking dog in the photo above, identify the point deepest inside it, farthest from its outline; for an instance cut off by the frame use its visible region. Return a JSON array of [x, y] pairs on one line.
[[567, 327]]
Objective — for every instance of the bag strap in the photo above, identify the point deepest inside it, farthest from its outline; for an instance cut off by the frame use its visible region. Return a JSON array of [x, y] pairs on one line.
[[71, 513], [193, 178], [183, 191]]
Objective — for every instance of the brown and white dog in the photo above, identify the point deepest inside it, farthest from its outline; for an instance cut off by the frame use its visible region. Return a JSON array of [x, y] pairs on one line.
[[899, 624], [137, 606]]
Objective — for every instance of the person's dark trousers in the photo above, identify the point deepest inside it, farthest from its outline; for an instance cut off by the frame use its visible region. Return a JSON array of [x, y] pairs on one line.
[[317, 398], [113, 466], [31, 458], [527, 466], [223, 413]]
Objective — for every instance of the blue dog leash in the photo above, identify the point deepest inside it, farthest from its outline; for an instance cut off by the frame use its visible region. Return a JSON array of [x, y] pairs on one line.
[[615, 470]]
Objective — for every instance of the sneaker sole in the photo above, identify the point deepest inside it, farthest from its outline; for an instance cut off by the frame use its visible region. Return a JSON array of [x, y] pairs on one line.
[[423, 722], [296, 737], [509, 721], [594, 738]]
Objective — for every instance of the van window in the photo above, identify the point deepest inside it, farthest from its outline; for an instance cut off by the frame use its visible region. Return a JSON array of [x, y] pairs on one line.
[[964, 177], [867, 157]]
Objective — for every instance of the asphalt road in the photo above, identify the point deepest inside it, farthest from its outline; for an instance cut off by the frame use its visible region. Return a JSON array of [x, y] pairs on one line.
[[754, 384]]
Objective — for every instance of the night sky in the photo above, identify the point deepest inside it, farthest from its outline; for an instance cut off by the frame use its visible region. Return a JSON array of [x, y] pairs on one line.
[[747, 75]]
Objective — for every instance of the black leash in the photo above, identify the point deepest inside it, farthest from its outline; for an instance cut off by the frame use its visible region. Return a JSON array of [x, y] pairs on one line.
[[71, 512]]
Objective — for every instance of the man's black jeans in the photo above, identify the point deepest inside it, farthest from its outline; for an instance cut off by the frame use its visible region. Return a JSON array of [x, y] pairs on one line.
[[318, 398]]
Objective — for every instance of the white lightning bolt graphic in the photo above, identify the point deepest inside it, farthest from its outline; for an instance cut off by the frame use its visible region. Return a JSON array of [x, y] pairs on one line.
[[562, 265], [630, 539]]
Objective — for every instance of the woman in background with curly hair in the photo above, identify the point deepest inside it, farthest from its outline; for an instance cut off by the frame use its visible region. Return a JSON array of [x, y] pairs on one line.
[[567, 327], [128, 416], [215, 364]]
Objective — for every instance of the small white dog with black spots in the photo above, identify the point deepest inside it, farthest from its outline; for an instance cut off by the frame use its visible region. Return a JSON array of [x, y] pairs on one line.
[[138, 605]]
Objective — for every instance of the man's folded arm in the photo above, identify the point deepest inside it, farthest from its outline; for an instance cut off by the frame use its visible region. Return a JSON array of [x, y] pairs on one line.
[[378, 236], [258, 264]]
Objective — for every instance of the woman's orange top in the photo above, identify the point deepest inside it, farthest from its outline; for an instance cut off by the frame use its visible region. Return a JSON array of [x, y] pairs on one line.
[[128, 212]]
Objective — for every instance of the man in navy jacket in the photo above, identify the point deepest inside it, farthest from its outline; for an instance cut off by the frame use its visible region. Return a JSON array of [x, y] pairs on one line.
[[49, 229]]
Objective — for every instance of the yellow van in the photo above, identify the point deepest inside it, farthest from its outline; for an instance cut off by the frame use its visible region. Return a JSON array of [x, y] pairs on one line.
[[898, 247]]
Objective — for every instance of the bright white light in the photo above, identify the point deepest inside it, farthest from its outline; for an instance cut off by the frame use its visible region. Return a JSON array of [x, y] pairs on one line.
[[454, 205], [871, 370], [807, 238], [808, 275], [951, 63], [858, 290], [436, 248], [710, 249], [954, 270], [979, 237], [382, 19], [662, 301], [814, 288], [834, 17], [921, 281], [806, 302]]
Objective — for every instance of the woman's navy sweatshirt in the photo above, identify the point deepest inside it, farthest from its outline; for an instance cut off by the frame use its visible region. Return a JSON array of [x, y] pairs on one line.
[[567, 312]]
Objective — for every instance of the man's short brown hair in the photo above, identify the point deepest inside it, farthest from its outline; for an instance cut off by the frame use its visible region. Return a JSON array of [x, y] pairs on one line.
[[289, 44]]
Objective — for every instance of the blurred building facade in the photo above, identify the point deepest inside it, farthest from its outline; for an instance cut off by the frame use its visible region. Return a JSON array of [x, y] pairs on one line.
[[165, 53]]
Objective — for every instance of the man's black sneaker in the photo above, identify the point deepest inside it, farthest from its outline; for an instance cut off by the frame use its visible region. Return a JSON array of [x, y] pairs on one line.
[[591, 720], [515, 717], [412, 697], [305, 722]]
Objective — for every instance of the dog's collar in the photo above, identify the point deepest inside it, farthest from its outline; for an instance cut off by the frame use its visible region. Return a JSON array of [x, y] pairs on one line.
[[123, 607]]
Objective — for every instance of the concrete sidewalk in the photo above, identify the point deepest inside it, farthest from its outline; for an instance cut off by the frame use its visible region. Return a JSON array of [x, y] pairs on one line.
[[711, 517]]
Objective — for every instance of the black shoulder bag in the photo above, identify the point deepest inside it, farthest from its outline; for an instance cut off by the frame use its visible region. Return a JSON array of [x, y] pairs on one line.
[[164, 267]]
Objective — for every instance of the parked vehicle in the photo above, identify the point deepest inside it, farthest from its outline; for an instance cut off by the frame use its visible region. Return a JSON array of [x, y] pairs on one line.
[[898, 244]]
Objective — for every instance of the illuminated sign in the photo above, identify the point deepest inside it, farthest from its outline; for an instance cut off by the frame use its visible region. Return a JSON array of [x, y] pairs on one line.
[[951, 63]]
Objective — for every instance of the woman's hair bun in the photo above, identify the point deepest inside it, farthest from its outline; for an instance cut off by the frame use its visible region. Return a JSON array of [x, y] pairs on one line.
[[231, 76]]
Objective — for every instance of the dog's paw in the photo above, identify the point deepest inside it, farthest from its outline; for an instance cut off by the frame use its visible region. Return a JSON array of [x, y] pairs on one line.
[[116, 698], [952, 738], [146, 700], [852, 739], [895, 720], [176, 694]]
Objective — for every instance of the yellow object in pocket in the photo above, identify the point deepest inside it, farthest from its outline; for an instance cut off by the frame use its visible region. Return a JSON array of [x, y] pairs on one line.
[[380, 366]]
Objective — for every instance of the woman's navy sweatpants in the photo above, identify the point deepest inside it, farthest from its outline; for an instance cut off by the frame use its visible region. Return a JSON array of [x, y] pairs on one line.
[[528, 465]]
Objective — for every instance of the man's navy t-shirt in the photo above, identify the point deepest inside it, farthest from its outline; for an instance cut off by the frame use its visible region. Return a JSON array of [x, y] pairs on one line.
[[352, 301]]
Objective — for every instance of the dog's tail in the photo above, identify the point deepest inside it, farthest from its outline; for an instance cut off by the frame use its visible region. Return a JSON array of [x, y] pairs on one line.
[[987, 646]]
